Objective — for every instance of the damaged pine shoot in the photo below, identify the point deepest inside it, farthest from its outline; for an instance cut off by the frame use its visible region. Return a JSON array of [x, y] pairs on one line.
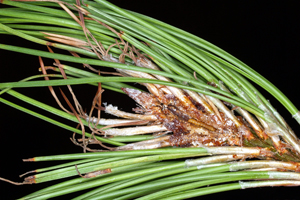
[[199, 127]]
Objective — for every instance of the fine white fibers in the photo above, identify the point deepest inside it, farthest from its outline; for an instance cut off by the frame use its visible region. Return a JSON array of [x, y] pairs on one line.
[[135, 131], [110, 107], [111, 121]]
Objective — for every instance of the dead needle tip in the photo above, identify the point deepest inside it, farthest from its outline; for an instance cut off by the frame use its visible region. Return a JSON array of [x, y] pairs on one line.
[[29, 160]]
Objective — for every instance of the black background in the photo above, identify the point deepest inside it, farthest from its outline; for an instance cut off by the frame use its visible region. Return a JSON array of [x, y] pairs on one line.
[[263, 34]]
